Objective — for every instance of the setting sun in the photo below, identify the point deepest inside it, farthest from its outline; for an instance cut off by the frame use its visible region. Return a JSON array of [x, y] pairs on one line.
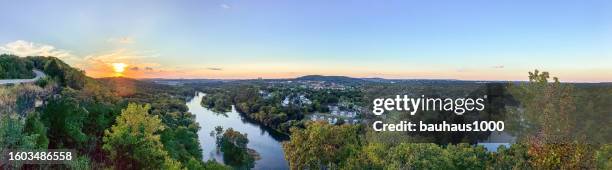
[[119, 67]]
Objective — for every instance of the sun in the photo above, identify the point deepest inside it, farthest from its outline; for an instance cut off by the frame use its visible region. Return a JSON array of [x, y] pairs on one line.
[[119, 67]]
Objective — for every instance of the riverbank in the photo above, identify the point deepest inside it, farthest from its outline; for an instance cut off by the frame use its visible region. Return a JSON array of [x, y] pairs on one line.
[[265, 141]]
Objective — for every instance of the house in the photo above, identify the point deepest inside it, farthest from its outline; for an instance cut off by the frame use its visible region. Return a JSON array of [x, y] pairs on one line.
[[299, 100], [336, 111], [285, 102], [304, 100], [264, 94], [332, 120]]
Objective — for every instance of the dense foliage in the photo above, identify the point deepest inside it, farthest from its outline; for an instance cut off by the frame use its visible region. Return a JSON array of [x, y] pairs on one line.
[[321, 145], [233, 144], [12, 67], [70, 110], [134, 143], [13, 135]]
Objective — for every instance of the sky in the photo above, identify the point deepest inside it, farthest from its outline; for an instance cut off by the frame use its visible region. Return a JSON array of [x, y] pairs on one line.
[[236, 39]]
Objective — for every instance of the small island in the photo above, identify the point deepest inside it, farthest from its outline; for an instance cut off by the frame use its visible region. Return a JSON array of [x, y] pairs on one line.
[[233, 145]]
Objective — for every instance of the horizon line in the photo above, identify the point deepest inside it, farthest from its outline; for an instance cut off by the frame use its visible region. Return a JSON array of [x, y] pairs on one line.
[[397, 79]]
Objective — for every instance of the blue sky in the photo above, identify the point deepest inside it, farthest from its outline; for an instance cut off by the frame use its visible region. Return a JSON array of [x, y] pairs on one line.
[[475, 40]]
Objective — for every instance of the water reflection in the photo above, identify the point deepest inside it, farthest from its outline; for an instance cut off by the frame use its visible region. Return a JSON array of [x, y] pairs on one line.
[[265, 141]]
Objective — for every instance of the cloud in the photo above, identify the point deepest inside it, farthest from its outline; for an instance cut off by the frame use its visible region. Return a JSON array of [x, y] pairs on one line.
[[121, 40], [98, 65], [24, 48], [498, 67], [214, 68], [141, 63], [136, 68], [122, 55], [225, 6]]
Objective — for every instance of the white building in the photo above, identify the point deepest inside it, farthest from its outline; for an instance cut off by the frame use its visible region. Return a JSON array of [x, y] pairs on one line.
[[285, 102], [304, 100]]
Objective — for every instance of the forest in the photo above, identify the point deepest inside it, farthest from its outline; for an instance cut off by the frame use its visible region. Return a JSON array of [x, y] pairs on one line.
[[116, 123]]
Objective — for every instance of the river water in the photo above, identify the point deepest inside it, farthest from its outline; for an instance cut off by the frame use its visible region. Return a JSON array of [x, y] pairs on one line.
[[263, 140]]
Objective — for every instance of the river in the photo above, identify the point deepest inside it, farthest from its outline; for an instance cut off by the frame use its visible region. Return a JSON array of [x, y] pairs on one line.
[[262, 139]]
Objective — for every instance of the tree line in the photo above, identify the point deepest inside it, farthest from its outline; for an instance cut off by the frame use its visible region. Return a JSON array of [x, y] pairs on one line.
[[114, 123]]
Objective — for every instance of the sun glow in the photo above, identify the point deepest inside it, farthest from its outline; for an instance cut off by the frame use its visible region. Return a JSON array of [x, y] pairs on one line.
[[119, 68]]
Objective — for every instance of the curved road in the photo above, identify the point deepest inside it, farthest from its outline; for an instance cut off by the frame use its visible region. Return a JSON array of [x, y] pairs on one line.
[[39, 75]]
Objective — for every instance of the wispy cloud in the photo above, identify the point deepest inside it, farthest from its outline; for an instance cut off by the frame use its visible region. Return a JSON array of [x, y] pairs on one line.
[[98, 65], [121, 40], [140, 63], [225, 6], [214, 68], [461, 70], [24, 48], [122, 55], [498, 66]]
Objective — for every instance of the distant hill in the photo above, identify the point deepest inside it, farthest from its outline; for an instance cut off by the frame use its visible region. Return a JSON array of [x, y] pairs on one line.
[[352, 80], [335, 79]]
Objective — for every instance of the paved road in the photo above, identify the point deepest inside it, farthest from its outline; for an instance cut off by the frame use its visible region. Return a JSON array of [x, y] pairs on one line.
[[39, 75]]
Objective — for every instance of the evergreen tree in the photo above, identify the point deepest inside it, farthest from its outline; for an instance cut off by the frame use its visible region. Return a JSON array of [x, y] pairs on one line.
[[34, 126]]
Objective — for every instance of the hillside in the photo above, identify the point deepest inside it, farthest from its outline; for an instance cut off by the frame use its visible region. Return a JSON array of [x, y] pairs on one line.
[[335, 79], [13, 67], [96, 119]]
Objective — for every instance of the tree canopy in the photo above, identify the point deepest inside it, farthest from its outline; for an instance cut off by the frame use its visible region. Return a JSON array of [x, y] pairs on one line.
[[134, 141]]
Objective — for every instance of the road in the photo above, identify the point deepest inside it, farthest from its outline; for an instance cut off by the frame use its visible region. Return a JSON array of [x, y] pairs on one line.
[[39, 75]]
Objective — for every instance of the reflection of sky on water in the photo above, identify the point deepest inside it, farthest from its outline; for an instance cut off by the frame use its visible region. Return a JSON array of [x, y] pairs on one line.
[[262, 141]]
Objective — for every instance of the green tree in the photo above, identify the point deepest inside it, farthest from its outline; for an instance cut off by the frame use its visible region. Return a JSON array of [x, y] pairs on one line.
[[34, 126], [12, 135], [464, 156], [515, 157], [14, 67], [53, 68], [182, 144], [321, 145], [233, 144], [547, 121], [372, 156], [212, 165], [548, 107], [134, 141], [419, 156], [603, 157], [80, 162], [64, 117]]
